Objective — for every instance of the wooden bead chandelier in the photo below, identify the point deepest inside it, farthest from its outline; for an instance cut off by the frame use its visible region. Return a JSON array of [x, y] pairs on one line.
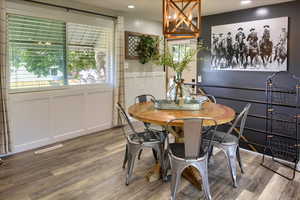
[[181, 18]]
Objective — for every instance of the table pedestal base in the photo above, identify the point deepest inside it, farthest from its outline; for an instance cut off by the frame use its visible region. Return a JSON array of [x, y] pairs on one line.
[[154, 173], [192, 175]]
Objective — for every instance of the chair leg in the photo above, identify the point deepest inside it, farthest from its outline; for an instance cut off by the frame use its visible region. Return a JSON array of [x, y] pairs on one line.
[[155, 155], [230, 152], [132, 152], [238, 155], [166, 166], [202, 168], [158, 149], [210, 152], [125, 157], [175, 181], [140, 153]]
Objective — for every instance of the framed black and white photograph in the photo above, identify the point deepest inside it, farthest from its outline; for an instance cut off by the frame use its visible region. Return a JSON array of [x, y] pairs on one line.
[[260, 45]]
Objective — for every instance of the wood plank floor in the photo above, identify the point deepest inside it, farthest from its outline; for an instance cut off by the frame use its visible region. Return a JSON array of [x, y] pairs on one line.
[[89, 168]]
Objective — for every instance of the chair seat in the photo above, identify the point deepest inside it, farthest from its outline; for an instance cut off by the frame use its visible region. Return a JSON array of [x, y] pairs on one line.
[[178, 150], [147, 136], [155, 127], [219, 135]]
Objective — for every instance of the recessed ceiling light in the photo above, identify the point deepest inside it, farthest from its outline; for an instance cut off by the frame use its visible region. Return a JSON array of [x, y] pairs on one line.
[[131, 6], [262, 11], [245, 2]]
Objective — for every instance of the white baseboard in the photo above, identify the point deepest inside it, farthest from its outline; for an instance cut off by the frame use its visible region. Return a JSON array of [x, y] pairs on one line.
[[31, 145], [69, 135]]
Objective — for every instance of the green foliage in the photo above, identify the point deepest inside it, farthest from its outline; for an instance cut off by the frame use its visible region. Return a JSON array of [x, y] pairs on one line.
[[81, 60], [147, 48], [16, 57], [40, 62], [167, 58]]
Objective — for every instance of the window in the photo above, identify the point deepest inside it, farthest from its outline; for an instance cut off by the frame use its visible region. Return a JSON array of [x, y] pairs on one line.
[[88, 54], [44, 52], [36, 49], [180, 50]]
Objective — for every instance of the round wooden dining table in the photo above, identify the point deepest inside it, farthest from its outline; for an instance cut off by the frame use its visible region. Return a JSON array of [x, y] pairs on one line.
[[146, 112]]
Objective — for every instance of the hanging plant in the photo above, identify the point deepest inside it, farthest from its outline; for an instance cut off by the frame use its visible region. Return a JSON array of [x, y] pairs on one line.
[[147, 48]]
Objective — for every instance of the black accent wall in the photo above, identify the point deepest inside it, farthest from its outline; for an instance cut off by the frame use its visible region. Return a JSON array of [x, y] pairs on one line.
[[249, 79]]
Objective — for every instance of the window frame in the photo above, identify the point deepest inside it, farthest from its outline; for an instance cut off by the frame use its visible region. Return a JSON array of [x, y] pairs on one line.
[[108, 84]]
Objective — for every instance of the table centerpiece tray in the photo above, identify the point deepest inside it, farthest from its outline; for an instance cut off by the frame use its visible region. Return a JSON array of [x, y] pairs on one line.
[[186, 104]]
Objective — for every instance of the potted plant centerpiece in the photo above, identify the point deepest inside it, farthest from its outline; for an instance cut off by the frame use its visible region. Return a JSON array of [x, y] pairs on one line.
[[177, 92]]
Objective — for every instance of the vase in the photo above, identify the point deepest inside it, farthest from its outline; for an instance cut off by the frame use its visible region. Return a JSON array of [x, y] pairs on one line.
[[178, 92]]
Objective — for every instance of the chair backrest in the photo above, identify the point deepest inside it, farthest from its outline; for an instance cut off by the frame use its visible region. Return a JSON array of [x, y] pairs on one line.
[[144, 98], [193, 143], [212, 98], [128, 128], [242, 117]]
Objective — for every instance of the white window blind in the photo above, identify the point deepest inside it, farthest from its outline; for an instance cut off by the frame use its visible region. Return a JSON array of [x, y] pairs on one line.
[[36, 52], [88, 53]]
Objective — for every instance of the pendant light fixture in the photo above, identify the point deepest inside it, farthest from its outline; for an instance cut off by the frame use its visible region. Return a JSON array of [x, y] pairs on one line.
[[181, 18]]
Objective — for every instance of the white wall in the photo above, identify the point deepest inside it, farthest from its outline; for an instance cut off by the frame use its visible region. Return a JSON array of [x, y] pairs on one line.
[[137, 83], [44, 117], [143, 78]]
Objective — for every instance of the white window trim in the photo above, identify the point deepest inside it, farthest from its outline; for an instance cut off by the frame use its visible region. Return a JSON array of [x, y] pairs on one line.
[[105, 86]]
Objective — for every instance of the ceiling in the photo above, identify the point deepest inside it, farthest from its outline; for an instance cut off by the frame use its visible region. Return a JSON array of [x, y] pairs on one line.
[[152, 9]]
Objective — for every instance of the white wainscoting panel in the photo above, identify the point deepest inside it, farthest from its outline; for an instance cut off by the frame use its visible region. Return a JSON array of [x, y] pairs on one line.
[[41, 118], [144, 83], [67, 115], [30, 121], [98, 117]]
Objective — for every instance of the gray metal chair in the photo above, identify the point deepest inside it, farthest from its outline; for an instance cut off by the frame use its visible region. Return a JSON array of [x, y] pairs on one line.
[[137, 141], [212, 98], [146, 98], [229, 143], [193, 152], [148, 127]]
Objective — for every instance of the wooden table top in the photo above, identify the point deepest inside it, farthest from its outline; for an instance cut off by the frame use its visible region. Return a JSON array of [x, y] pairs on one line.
[[147, 113]]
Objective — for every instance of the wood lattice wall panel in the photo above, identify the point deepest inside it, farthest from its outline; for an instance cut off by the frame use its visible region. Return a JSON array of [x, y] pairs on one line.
[[131, 45], [132, 40]]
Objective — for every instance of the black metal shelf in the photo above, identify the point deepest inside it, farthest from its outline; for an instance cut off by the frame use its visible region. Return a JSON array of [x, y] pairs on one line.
[[282, 145]]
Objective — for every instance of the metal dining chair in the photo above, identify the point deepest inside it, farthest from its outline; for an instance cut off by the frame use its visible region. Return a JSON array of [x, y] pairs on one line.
[[229, 143], [193, 152], [146, 98], [138, 140], [212, 98], [148, 127]]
